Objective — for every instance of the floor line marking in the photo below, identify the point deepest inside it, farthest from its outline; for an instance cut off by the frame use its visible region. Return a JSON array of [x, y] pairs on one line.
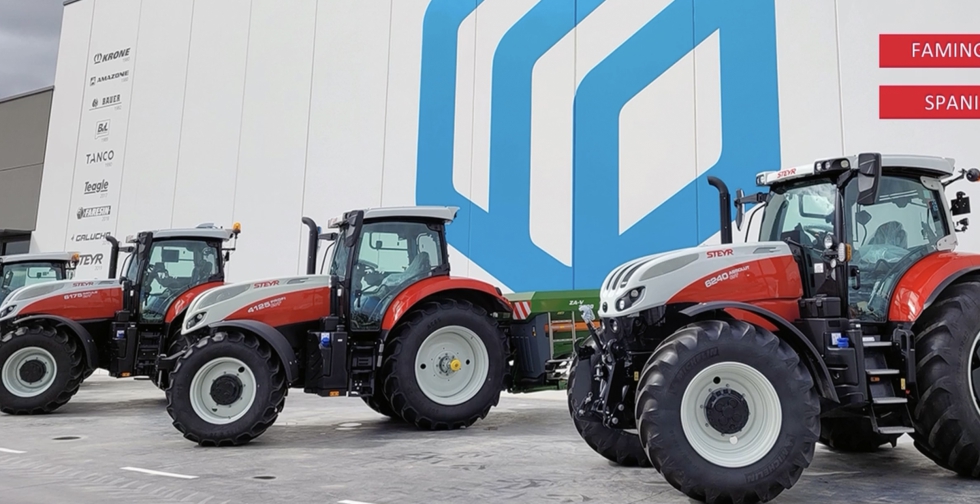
[[8, 450], [345, 501], [157, 473]]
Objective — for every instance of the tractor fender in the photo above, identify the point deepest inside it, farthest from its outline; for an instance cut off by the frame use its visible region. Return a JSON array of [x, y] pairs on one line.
[[475, 291], [788, 333], [179, 305], [88, 344], [922, 284], [274, 338]]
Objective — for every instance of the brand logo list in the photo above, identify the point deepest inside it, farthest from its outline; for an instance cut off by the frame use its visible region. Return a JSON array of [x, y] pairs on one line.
[[102, 129], [99, 211], [99, 157], [103, 57], [96, 187]]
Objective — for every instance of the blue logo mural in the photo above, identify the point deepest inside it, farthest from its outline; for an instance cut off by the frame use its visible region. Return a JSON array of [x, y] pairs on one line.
[[750, 134]]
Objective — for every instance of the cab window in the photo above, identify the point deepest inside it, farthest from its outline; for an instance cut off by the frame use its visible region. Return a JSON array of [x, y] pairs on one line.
[[175, 266]]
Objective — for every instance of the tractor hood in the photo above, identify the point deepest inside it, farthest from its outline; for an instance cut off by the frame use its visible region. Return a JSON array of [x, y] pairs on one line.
[[705, 273], [289, 297], [53, 296]]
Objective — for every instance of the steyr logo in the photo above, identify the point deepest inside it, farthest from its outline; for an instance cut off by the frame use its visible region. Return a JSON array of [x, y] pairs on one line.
[[100, 157], [269, 283], [102, 129], [583, 236], [90, 259], [99, 211], [97, 187], [720, 253], [109, 56]]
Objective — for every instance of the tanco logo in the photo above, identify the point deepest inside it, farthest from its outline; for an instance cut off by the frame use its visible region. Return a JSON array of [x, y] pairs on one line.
[[583, 236]]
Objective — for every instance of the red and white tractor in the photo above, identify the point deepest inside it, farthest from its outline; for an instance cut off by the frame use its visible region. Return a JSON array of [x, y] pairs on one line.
[[387, 323], [851, 321], [53, 335], [21, 270]]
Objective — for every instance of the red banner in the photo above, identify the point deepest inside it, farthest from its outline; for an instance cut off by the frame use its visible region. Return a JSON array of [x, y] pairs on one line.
[[928, 50], [929, 102]]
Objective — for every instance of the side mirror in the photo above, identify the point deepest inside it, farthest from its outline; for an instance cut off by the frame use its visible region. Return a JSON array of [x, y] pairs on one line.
[[7, 279], [869, 175], [960, 205], [739, 209]]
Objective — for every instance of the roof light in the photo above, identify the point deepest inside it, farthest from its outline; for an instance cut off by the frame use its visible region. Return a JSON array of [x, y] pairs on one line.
[[237, 227], [75, 257]]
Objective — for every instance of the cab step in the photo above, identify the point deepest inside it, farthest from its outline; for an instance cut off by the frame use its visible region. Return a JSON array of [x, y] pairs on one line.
[[877, 344], [889, 400], [895, 429], [882, 372]]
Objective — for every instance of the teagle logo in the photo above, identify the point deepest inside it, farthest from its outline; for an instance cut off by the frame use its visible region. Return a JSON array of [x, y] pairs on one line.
[[720, 253], [97, 187], [270, 283], [109, 56]]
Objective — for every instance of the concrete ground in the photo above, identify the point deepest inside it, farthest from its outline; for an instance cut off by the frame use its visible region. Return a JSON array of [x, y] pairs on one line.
[[114, 443]]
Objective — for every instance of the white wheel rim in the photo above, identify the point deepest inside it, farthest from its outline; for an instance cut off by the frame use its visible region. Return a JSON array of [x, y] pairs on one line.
[[970, 366], [32, 356], [206, 407], [755, 439], [445, 349]]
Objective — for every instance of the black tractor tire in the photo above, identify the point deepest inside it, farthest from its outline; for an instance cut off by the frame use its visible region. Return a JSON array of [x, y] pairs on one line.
[[671, 370], [401, 386], [616, 445], [67, 358], [945, 412], [853, 435], [377, 401], [269, 396]]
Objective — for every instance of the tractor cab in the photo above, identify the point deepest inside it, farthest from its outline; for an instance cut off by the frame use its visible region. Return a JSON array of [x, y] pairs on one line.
[[856, 225], [21, 270], [379, 252]]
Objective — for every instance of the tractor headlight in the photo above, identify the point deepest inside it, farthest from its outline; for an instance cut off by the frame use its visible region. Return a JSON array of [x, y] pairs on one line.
[[196, 319], [629, 298], [7, 311]]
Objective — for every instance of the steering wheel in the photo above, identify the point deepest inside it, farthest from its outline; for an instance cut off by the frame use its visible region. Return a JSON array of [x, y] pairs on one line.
[[818, 230], [369, 272]]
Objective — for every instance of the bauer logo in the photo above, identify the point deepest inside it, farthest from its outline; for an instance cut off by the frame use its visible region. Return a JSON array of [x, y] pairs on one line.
[[512, 158]]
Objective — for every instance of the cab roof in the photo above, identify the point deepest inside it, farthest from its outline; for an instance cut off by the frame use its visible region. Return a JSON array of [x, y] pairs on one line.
[[932, 165], [195, 233], [443, 213], [40, 257]]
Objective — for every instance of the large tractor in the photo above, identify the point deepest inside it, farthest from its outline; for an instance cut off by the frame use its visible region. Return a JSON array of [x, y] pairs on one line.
[[851, 321], [54, 335], [386, 323], [21, 270]]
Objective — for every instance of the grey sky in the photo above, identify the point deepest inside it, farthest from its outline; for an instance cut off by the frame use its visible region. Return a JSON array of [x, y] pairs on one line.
[[29, 33]]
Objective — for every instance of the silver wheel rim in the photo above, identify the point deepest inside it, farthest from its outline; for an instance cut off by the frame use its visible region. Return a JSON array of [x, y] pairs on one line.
[[755, 439], [973, 365], [206, 407], [19, 387], [452, 365]]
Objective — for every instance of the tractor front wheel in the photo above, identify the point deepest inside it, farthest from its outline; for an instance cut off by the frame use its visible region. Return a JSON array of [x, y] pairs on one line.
[[617, 445], [41, 370], [727, 412], [226, 390], [446, 367], [946, 413]]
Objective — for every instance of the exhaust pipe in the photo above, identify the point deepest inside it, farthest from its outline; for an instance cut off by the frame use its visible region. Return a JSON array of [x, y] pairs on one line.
[[725, 202], [312, 246], [113, 255]]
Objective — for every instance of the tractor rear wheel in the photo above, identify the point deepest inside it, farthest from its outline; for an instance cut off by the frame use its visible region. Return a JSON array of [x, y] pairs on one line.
[[854, 435], [946, 413], [41, 370], [617, 445], [447, 365], [727, 412], [226, 389]]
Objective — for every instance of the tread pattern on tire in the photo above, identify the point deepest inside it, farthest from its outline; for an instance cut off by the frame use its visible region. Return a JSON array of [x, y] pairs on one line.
[[274, 368], [687, 339], [393, 389], [942, 433], [610, 443], [77, 369]]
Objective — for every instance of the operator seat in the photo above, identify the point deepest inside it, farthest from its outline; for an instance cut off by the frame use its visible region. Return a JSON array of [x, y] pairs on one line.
[[890, 233]]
